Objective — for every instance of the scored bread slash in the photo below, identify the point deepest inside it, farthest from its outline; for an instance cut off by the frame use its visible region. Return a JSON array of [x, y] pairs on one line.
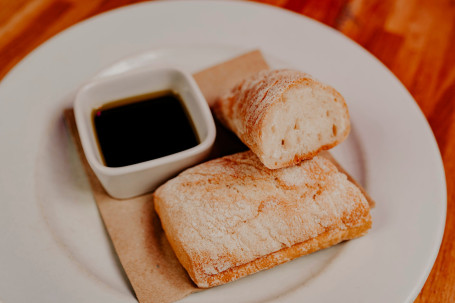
[[284, 116], [232, 216]]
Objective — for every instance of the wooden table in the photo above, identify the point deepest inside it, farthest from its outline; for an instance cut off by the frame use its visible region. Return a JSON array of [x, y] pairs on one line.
[[414, 38]]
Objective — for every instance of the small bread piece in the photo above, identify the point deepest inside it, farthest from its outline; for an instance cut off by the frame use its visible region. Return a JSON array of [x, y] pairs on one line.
[[284, 116], [231, 217]]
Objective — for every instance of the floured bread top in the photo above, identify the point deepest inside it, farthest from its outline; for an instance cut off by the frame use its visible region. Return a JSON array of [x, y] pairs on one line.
[[232, 210], [247, 103]]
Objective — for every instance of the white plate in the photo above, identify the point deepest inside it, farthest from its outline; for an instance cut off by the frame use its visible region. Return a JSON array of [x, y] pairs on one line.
[[53, 244]]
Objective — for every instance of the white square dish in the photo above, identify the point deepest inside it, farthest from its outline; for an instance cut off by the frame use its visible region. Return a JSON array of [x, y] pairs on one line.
[[136, 179]]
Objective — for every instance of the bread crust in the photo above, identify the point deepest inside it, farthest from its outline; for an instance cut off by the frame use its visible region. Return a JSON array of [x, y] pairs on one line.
[[247, 109], [284, 255], [232, 216]]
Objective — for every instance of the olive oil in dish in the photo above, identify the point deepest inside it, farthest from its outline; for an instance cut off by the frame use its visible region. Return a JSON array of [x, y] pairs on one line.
[[143, 128]]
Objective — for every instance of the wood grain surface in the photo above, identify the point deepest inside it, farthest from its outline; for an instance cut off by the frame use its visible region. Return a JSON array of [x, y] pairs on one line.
[[415, 39]]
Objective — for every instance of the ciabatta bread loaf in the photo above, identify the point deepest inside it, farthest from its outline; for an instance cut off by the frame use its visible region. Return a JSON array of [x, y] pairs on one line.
[[232, 216], [284, 116]]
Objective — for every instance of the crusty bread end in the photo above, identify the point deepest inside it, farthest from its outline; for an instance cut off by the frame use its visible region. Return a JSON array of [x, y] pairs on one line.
[[284, 116]]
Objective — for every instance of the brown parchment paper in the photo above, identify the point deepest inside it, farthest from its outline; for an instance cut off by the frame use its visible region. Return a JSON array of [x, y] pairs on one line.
[[132, 224]]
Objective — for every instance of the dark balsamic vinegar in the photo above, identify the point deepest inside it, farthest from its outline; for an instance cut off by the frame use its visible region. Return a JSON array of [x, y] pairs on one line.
[[143, 128]]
